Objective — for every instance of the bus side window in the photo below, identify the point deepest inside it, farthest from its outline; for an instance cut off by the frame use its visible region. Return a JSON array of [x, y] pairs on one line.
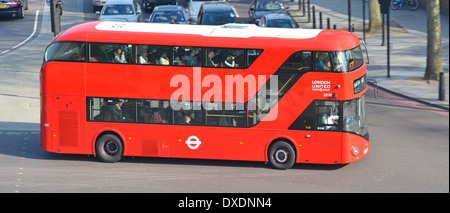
[[66, 51], [252, 55], [190, 114], [327, 115], [152, 54], [225, 57], [187, 56], [319, 115], [323, 62], [299, 61], [153, 111], [224, 114], [121, 54], [98, 53]]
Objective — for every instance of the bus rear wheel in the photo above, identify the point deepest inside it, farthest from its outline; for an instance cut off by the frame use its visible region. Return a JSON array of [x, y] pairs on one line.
[[109, 148], [281, 155]]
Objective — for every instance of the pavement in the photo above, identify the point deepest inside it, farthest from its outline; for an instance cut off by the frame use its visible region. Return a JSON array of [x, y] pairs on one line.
[[20, 98], [408, 44]]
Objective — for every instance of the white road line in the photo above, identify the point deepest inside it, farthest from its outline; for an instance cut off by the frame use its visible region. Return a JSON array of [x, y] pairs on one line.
[[29, 37], [32, 34], [235, 11]]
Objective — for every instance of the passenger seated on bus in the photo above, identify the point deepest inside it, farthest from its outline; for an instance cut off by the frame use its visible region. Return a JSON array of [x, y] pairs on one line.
[[76, 57], [113, 111], [119, 56], [229, 62], [209, 59], [99, 54], [164, 60], [143, 58], [190, 58], [323, 62]]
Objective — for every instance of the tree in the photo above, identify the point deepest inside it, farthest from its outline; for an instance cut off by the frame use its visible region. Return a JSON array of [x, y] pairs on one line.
[[434, 46], [374, 16]]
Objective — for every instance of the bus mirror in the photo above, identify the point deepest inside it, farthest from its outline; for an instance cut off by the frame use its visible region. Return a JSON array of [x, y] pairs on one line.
[[365, 49]]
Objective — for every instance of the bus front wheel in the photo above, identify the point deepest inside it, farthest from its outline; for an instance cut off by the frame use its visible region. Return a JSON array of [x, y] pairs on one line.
[[281, 155], [109, 148]]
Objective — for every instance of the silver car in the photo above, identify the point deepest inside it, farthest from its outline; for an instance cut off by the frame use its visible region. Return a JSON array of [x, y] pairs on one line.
[[98, 4], [121, 10]]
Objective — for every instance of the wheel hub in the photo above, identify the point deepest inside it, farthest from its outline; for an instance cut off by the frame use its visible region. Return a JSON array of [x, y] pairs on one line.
[[110, 148], [281, 156]]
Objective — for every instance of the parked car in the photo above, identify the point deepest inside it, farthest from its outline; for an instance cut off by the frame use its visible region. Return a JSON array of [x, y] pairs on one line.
[[13, 8], [194, 7], [121, 10], [216, 13], [278, 20], [148, 5], [164, 13], [98, 4], [259, 8]]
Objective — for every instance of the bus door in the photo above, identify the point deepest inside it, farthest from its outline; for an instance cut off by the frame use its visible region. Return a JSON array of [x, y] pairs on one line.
[[323, 143]]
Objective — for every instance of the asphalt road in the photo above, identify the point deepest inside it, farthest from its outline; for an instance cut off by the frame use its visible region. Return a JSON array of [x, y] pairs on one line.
[[15, 32], [409, 153]]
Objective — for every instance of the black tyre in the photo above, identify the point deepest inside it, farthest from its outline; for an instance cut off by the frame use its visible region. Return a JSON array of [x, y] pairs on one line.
[[281, 155], [20, 13], [412, 5], [395, 5], [109, 148]]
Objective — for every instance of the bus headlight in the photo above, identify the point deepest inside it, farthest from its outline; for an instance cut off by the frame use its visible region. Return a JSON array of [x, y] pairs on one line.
[[355, 150]]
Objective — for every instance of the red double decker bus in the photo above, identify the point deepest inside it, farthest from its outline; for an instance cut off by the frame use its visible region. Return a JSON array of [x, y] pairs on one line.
[[231, 92]]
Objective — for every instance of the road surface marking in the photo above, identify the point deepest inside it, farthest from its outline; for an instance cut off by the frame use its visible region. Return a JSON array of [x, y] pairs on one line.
[[29, 37]]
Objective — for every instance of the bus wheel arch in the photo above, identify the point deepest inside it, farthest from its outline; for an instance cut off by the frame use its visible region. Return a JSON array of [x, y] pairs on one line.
[[281, 153], [109, 147]]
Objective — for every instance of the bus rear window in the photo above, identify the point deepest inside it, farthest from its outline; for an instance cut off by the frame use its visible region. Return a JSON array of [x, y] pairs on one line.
[[66, 51]]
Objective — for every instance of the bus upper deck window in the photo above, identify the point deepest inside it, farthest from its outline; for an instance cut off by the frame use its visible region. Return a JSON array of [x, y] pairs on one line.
[[252, 55], [323, 62], [347, 61], [153, 54], [66, 51], [225, 57], [299, 61], [187, 56], [110, 53], [355, 58]]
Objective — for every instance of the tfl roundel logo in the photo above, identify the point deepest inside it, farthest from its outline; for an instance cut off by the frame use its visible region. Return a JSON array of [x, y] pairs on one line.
[[193, 142]]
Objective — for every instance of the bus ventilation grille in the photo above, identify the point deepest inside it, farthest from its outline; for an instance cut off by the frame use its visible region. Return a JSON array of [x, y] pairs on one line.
[[68, 128]]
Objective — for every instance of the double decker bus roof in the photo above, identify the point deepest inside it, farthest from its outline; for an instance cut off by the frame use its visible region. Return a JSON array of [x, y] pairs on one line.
[[230, 35]]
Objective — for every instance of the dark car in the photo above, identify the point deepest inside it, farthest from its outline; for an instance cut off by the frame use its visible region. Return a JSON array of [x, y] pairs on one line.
[[149, 5], [13, 8], [216, 13], [260, 8], [164, 13], [278, 20]]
